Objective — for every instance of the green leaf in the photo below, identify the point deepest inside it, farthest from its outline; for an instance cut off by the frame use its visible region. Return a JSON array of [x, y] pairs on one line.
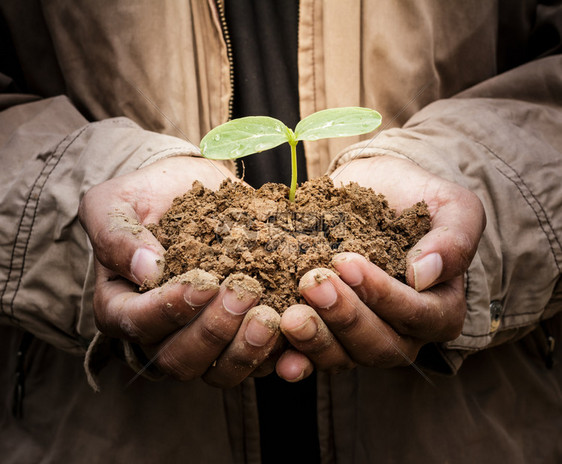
[[243, 137], [338, 122]]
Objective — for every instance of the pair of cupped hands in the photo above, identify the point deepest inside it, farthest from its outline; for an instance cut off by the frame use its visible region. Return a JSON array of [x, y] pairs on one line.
[[357, 316]]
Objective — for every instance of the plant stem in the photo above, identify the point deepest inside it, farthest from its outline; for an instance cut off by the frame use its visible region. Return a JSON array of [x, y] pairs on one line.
[[293, 170]]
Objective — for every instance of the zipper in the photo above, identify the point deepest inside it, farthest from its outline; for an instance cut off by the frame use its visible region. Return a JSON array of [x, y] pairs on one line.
[[226, 36]]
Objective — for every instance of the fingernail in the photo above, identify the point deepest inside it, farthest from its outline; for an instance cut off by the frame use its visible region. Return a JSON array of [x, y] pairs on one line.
[[258, 333], [306, 331], [297, 378], [146, 265], [237, 303], [318, 289], [196, 298], [348, 269], [427, 270]]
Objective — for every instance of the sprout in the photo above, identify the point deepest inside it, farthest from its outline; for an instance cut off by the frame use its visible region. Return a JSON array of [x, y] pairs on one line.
[[254, 134]]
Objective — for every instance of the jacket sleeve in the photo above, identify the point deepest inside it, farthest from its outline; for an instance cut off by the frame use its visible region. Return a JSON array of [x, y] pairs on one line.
[[50, 157], [502, 140]]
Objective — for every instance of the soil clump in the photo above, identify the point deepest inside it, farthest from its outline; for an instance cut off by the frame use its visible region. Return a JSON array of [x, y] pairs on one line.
[[261, 234]]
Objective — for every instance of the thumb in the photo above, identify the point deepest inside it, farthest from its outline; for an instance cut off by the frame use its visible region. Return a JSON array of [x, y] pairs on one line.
[[146, 266], [447, 250], [120, 242]]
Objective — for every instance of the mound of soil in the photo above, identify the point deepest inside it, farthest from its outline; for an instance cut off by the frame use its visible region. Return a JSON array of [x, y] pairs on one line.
[[260, 233]]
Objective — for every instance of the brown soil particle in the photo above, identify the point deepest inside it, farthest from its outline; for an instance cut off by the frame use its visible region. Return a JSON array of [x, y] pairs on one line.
[[199, 279], [261, 234], [243, 285]]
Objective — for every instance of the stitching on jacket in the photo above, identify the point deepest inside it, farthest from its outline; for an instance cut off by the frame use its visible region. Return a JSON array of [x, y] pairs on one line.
[[314, 56], [511, 327], [540, 221], [31, 197]]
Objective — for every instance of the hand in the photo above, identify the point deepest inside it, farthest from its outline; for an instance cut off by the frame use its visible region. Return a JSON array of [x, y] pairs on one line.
[[189, 329], [365, 317]]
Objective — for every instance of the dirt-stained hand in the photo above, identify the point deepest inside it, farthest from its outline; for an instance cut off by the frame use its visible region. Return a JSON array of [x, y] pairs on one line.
[[192, 327], [363, 316]]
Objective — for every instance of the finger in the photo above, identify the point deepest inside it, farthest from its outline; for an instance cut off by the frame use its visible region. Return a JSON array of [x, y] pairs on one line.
[[191, 351], [149, 317], [293, 366], [448, 248], [268, 365], [435, 315], [120, 242], [306, 331], [250, 348], [366, 337]]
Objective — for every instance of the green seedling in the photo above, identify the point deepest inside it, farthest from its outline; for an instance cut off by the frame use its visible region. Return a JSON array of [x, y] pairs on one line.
[[254, 134]]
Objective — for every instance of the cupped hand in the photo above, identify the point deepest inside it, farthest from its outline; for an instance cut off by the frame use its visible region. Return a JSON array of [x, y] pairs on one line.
[[186, 329], [363, 316]]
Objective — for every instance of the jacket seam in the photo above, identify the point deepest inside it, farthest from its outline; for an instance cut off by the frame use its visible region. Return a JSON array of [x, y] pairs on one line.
[[504, 317], [30, 210], [314, 87], [523, 194], [491, 335]]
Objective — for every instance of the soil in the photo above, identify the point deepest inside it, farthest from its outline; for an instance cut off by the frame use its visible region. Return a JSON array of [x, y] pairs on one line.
[[261, 234]]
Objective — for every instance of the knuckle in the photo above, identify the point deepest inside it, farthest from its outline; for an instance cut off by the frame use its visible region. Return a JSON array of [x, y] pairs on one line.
[[465, 247], [103, 246], [265, 368], [168, 363], [477, 207], [415, 320], [242, 362], [173, 314], [84, 205], [213, 336], [455, 322], [121, 308], [131, 331], [100, 314], [381, 293], [346, 321], [342, 366], [105, 315], [316, 348]]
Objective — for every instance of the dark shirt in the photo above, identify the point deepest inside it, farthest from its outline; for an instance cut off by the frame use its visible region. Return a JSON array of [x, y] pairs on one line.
[[263, 37]]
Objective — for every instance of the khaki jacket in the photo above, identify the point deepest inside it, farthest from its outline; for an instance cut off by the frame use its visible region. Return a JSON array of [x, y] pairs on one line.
[[471, 91]]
